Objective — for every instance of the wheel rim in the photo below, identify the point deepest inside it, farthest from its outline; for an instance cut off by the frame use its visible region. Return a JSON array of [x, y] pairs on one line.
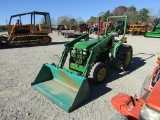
[[101, 74], [120, 32], [128, 57], [45, 40]]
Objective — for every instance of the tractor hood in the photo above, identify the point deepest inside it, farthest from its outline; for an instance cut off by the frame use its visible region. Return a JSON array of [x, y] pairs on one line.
[[86, 44], [153, 99]]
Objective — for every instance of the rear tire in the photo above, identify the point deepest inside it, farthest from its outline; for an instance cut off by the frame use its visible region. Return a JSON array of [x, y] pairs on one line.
[[99, 73], [123, 57], [145, 85], [0, 43], [119, 116]]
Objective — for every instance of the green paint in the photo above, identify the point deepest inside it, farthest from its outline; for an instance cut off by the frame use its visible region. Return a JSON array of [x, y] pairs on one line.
[[152, 34], [155, 32], [66, 89], [86, 44], [79, 68], [69, 87], [124, 27], [116, 45]]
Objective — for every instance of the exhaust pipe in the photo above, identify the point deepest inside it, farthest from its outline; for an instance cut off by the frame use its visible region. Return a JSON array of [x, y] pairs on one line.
[[99, 19]]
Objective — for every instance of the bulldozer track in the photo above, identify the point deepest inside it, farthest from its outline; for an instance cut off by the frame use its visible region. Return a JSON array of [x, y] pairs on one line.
[[31, 38], [23, 36]]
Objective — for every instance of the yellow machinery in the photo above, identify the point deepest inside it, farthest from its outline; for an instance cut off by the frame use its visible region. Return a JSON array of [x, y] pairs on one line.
[[137, 29], [28, 33]]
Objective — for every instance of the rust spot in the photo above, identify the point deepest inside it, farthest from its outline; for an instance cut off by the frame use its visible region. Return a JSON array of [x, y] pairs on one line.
[[68, 81]]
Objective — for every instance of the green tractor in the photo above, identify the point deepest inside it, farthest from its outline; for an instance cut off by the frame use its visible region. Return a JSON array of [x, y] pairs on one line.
[[118, 26], [155, 32], [68, 87]]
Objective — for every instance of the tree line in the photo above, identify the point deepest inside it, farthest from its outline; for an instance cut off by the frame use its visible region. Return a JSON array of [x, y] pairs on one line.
[[134, 16]]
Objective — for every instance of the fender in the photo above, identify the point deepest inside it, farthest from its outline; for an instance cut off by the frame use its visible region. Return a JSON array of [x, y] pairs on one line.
[[150, 87], [117, 44]]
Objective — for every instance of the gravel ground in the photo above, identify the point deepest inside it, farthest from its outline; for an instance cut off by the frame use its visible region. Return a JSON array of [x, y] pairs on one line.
[[20, 66]]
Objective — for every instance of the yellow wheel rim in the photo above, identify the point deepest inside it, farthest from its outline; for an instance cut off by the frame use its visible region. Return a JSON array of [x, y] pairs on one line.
[[101, 74]]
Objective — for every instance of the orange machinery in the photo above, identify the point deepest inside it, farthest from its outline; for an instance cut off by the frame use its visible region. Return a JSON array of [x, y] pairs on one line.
[[146, 107]]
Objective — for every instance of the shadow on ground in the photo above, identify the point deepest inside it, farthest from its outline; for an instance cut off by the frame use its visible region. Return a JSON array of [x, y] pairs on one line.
[[136, 63], [22, 46], [101, 89], [12, 47], [57, 43]]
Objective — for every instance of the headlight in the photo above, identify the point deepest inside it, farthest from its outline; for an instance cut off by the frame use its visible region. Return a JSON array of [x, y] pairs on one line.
[[84, 52], [73, 51], [149, 113], [116, 38], [79, 52]]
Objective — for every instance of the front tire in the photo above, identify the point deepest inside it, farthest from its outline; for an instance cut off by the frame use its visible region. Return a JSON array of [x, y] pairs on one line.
[[123, 57], [99, 73]]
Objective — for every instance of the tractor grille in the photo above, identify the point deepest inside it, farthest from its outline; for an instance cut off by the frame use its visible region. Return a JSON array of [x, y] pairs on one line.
[[79, 56]]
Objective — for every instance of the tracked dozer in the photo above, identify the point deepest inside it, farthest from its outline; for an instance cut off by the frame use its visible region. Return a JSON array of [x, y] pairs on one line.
[[68, 86], [155, 31], [21, 32]]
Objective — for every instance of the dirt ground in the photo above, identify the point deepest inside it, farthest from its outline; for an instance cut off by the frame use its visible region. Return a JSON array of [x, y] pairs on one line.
[[19, 67]]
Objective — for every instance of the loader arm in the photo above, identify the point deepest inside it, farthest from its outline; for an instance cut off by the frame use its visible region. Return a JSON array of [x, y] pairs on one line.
[[64, 88], [70, 45], [103, 45]]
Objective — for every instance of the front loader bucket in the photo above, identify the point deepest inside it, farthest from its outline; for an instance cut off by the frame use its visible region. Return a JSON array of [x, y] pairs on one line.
[[152, 34], [62, 87]]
